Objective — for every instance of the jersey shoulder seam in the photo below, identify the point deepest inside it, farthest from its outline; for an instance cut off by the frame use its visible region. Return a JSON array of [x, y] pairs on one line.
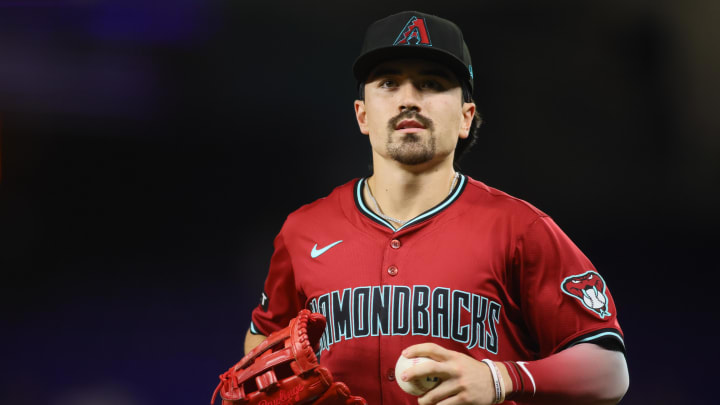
[[496, 193]]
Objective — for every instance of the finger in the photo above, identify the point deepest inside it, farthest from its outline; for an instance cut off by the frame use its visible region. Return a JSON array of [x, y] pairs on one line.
[[454, 400], [426, 369], [432, 350], [443, 392]]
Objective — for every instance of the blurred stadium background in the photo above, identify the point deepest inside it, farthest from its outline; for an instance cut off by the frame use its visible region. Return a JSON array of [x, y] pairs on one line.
[[150, 151]]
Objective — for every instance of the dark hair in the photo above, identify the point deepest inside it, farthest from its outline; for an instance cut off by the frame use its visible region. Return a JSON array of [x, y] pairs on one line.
[[463, 145]]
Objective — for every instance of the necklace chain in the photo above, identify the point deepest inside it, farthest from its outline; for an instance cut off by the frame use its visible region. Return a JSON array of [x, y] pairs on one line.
[[389, 218]]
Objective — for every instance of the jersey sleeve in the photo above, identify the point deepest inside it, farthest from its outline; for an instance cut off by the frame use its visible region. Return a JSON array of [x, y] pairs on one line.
[[564, 298], [280, 299]]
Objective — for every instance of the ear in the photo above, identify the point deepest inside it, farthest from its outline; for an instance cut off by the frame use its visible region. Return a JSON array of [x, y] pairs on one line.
[[468, 113], [361, 116]]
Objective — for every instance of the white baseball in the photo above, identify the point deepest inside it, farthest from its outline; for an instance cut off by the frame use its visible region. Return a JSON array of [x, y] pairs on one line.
[[417, 386]]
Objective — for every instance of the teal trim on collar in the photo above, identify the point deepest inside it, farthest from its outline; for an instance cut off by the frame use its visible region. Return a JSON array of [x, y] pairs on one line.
[[364, 209], [462, 181]]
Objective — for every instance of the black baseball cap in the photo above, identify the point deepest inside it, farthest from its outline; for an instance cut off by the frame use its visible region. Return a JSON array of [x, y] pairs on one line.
[[413, 34]]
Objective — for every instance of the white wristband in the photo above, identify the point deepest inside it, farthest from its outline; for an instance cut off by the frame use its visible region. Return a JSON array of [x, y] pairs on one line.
[[497, 381], [502, 386]]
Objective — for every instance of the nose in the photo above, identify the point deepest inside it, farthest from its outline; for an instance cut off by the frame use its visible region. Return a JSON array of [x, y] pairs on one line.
[[409, 97]]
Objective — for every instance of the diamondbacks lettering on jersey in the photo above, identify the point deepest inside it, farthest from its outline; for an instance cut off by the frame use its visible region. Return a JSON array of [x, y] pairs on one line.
[[359, 312]]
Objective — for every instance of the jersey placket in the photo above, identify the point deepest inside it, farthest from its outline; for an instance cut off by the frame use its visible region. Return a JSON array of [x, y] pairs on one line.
[[393, 273], [396, 284]]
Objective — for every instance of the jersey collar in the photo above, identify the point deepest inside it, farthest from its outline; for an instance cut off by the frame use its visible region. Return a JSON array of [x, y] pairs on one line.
[[454, 194]]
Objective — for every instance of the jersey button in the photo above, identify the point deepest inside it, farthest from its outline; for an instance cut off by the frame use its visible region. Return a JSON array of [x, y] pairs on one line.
[[392, 270], [395, 244], [391, 374]]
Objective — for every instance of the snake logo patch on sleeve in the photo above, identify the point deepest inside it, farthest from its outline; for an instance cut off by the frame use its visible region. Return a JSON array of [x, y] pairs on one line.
[[589, 289]]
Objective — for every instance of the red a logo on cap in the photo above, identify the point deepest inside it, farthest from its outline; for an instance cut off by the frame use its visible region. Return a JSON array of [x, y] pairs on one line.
[[416, 30]]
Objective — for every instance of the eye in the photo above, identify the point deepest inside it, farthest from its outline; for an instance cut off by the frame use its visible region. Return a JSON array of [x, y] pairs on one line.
[[388, 83], [430, 84]]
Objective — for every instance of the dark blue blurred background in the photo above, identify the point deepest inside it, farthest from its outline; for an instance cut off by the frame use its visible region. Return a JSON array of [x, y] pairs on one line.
[[150, 152]]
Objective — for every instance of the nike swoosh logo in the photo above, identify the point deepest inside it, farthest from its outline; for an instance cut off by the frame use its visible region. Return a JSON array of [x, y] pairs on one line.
[[315, 252]]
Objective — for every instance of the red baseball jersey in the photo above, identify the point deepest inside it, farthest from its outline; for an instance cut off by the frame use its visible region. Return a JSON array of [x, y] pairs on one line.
[[481, 273]]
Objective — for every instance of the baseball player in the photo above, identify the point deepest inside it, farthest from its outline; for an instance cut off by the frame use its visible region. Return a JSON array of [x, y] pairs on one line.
[[421, 260]]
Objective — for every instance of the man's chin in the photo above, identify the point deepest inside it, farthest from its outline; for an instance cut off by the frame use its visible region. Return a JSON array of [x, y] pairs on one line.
[[411, 150], [412, 159]]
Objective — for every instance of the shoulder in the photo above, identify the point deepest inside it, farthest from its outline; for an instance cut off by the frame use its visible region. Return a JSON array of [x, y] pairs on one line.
[[498, 202], [323, 209]]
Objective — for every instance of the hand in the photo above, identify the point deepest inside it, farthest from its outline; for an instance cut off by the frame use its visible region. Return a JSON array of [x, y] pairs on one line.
[[464, 379]]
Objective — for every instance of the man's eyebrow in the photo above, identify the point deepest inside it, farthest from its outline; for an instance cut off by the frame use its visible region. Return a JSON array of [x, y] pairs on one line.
[[385, 71], [442, 73], [391, 71]]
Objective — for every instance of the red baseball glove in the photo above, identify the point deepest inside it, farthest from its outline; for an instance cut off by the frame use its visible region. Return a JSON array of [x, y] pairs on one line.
[[284, 370]]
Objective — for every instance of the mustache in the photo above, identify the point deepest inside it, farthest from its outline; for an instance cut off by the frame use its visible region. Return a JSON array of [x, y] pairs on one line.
[[410, 115]]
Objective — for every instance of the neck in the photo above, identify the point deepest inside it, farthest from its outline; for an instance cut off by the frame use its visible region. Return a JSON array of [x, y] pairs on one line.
[[405, 194]]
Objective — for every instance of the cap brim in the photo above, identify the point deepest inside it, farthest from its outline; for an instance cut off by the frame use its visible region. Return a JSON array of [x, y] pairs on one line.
[[367, 62]]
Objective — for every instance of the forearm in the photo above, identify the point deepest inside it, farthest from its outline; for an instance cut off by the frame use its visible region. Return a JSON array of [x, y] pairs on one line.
[[585, 374], [252, 341]]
